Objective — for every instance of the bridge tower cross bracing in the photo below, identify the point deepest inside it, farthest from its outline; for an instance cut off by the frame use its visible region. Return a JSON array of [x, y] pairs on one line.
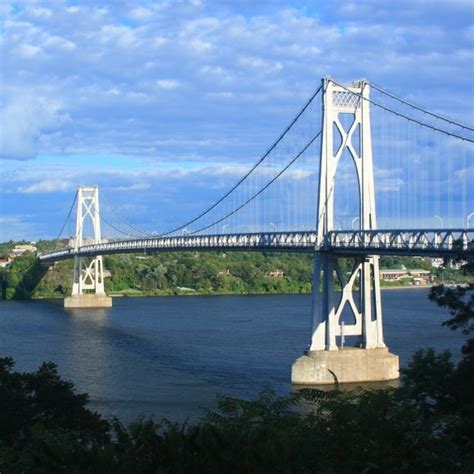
[[371, 361], [88, 283]]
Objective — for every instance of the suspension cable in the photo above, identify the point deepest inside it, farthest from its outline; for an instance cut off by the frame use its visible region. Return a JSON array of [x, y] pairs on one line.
[[119, 230], [102, 218], [407, 117], [260, 191], [134, 228], [269, 150], [67, 217], [422, 109]]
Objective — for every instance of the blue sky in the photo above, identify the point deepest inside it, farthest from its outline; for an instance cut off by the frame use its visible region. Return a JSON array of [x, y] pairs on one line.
[[165, 103]]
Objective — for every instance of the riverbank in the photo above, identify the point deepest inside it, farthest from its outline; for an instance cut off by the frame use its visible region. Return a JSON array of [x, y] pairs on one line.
[[407, 287], [195, 293], [138, 294]]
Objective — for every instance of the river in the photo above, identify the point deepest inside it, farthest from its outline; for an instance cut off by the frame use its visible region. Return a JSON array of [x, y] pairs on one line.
[[170, 356]]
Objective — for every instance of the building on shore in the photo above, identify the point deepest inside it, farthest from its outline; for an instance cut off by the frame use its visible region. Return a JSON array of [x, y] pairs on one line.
[[20, 249], [276, 273], [417, 276]]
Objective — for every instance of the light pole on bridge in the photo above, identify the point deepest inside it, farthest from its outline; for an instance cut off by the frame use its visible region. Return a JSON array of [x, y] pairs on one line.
[[468, 218], [440, 220]]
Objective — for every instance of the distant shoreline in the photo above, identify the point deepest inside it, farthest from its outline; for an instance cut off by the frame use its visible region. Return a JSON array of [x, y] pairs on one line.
[[406, 287], [196, 293]]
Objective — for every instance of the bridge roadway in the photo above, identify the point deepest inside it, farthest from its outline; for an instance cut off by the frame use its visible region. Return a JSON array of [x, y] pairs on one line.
[[424, 242]]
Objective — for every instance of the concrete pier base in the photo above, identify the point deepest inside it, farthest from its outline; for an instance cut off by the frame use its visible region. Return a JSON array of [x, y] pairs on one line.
[[88, 301], [350, 365]]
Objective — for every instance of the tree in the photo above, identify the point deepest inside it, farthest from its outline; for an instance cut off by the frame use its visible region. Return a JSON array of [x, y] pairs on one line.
[[459, 301], [43, 399], [451, 392]]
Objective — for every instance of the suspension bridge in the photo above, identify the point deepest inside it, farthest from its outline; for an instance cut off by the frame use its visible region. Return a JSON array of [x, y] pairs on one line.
[[358, 173]]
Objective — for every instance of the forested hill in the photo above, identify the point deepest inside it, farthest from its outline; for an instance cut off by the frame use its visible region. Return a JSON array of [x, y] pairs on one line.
[[173, 273]]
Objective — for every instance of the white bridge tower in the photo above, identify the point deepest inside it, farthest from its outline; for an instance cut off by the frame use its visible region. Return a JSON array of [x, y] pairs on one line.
[[359, 293], [88, 284]]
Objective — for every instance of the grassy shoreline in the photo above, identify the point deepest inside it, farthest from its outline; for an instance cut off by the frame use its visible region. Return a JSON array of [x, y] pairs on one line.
[[137, 294]]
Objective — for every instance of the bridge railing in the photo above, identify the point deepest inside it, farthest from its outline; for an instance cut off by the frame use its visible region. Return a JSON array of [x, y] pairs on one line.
[[415, 241], [282, 241], [433, 242]]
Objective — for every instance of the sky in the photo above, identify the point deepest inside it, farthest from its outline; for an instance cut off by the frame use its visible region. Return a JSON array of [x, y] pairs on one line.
[[164, 104]]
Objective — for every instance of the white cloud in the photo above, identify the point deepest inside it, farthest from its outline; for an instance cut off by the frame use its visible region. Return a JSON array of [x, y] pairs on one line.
[[121, 35], [140, 13], [40, 12], [14, 227], [389, 185], [113, 91], [260, 64], [222, 95], [58, 42], [300, 174], [167, 84], [47, 186], [23, 120], [10, 219], [158, 41], [200, 46], [132, 187], [28, 50]]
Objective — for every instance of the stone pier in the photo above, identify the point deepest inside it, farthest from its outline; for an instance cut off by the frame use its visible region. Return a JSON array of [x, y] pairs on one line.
[[349, 365], [85, 300]]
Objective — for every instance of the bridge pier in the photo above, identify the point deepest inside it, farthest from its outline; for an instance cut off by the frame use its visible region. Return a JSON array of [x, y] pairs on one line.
[[360, 296], [349, 365], [91, 300]]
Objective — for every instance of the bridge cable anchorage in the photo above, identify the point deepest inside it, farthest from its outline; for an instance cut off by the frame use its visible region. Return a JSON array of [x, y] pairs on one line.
[[136, 229], [265, 155], [68, 216], [260, 191], [422, 109], [407, 117]]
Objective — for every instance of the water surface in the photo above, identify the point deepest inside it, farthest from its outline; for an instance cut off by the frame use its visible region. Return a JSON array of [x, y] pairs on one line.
[[169, 356]]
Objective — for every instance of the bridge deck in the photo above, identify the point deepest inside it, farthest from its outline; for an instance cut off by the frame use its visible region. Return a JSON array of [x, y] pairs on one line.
[[423, 242], [428, 242]]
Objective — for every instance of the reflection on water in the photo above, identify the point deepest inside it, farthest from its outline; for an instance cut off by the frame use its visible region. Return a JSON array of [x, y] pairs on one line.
[[97, 316], [169, 356], [94, 357]]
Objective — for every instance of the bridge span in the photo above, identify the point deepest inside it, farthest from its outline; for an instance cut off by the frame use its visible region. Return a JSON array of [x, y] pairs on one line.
[[427, 242]]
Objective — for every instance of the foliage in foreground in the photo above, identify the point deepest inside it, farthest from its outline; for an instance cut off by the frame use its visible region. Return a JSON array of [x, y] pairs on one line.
[[45, 427]]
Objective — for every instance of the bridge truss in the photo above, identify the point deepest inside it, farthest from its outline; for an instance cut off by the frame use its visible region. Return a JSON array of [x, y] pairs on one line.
[[433, 243]]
